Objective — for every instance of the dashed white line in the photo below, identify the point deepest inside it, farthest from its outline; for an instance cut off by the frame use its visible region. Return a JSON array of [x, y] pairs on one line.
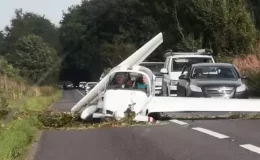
[[212, 133], [178, 122], [80, 93], [251, 148]]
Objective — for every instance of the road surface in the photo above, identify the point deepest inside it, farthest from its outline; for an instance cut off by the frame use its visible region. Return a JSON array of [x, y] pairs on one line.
[[175, 140], [68, 100]]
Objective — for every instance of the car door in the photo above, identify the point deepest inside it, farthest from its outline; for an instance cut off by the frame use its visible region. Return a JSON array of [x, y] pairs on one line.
[[182, 83]]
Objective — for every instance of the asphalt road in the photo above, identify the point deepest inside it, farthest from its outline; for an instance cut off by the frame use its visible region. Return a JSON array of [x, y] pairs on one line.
[[175, 140], [69, 98]]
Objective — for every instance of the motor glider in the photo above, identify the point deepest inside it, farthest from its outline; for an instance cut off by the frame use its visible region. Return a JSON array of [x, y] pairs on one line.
[[119, 90]]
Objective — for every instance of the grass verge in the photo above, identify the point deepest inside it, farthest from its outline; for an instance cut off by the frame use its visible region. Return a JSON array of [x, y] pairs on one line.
[[18, 134]]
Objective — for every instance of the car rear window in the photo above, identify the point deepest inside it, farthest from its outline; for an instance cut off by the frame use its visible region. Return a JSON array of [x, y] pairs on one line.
[[179, 63]]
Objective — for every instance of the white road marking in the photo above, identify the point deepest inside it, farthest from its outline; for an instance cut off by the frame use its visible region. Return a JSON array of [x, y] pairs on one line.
[[80, 93], [178, 122], [251, 148], [209, 132]]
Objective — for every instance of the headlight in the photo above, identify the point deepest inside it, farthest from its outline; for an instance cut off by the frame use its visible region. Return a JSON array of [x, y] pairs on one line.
[[173, 82], [241, 88], [195, 88]]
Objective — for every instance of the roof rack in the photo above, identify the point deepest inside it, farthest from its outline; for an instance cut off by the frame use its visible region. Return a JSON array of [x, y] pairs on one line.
[[199, 52]]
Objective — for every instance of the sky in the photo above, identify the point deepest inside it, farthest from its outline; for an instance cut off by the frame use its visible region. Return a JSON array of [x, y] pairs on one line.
[[52, 9]]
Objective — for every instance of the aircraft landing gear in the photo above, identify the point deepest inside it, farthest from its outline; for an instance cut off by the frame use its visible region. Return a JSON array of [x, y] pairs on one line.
[[155, 116]]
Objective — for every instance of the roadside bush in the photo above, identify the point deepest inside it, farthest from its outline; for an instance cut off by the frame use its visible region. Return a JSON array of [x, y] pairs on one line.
[[249, 66], [8, 70]]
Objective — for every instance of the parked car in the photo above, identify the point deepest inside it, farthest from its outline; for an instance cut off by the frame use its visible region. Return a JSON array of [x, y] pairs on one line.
[[174, 63], [90, 86], [82, 85], [212, 80], [68, 85], [155, 67]]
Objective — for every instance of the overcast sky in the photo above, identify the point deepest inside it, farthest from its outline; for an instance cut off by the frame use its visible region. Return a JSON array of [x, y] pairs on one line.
[[52, 9]]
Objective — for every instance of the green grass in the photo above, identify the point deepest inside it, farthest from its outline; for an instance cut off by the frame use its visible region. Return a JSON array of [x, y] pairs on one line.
[[39, 103], [17, 135]]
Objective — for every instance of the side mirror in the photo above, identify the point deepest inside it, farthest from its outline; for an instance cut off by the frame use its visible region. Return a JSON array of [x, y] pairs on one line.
[[183, 76], [164, 71]]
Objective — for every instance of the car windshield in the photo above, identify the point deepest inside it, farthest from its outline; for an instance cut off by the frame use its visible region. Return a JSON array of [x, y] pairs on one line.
[[216, 72], [154, 67], [179, 63]]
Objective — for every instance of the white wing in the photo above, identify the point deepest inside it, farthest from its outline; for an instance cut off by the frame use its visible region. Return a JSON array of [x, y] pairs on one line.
[[182, 104]]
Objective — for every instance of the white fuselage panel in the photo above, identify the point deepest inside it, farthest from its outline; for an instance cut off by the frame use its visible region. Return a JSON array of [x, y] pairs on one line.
[[119, 100]]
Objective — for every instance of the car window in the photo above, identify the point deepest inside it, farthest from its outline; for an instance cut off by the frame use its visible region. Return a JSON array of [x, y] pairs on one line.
[[179, 63], [217, 72]]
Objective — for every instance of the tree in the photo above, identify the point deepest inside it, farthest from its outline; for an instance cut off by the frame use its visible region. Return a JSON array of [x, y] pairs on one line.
[[31, 23], [181, 30], [116, 53], [8, 70], [2, 44], [87, 28], [35, 59], [228, 23], [254, 6]]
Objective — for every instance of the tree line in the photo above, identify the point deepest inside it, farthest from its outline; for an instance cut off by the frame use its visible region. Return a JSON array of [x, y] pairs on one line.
[[98, 34]]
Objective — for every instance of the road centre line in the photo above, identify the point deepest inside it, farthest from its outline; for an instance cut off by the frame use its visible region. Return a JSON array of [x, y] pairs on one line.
[[178, 122], [251, 148], [80, 93], [209, 132]]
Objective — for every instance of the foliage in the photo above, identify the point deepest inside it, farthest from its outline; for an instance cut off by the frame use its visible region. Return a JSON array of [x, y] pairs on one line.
[[15, 139], [116, 53], [253, 6], [249, 66], [92, 32], [189, 44], [106, 71], [2, 44], [88, 27], [35, 59], [8, 70], [10, 90], [17, 135], [229, 25], [30, 23], [57, 120], [40, 102]]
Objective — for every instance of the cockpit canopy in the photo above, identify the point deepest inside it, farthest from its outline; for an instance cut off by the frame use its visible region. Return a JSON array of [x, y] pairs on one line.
[[129, 80]]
